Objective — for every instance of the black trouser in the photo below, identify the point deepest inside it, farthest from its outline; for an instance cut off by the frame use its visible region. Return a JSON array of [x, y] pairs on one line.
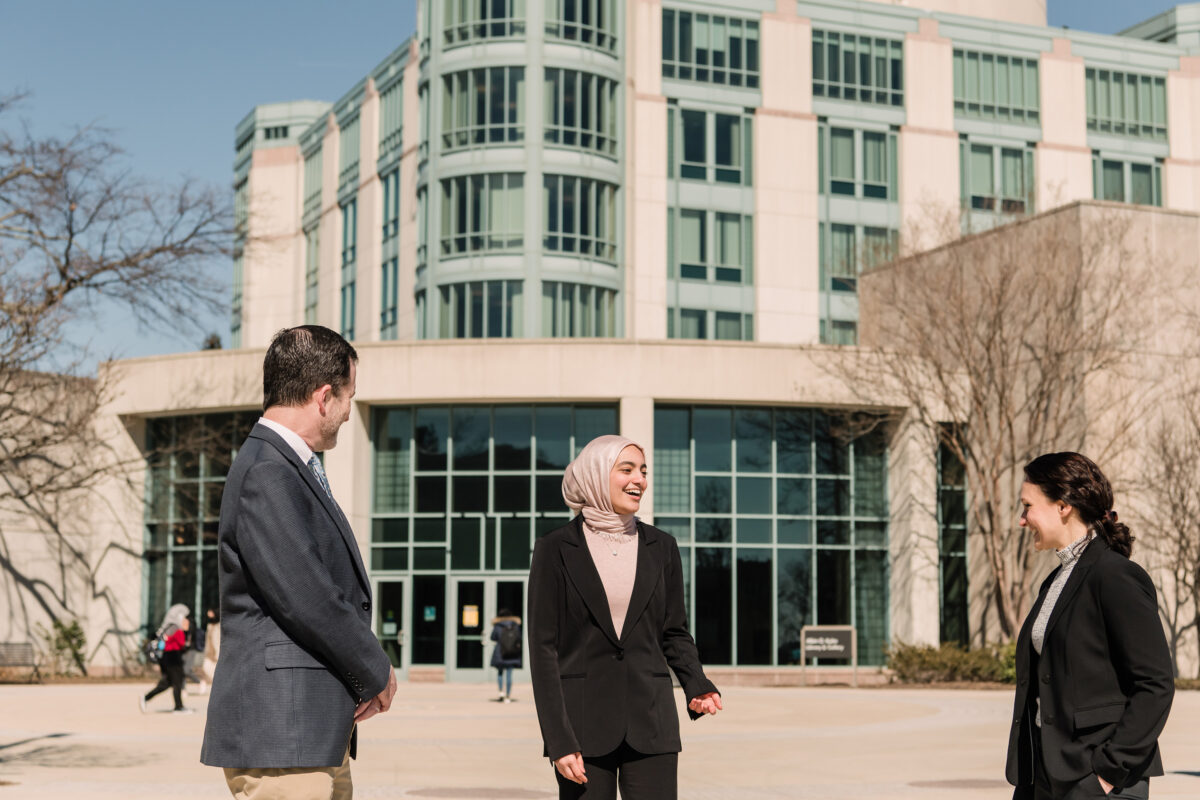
[[640, 777], [1044, 788], [172, 676]]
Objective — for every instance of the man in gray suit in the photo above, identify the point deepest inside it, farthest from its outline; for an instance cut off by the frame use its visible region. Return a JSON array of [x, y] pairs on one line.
[[299, 664]]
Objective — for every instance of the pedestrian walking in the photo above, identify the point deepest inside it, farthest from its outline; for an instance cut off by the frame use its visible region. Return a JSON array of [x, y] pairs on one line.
[[507, 654], [606, 618], [172, 634], [1094, 675]]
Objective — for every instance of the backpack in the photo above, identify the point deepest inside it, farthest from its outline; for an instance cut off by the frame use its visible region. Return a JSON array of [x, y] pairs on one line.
[[510, 642], [154, 648]]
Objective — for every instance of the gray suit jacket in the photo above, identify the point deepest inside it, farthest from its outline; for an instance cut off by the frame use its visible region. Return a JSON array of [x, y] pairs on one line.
[[297, 651]]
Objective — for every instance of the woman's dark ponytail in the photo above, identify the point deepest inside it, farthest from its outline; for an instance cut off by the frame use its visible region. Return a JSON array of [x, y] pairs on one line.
[[1075, 479], [1114, 532]]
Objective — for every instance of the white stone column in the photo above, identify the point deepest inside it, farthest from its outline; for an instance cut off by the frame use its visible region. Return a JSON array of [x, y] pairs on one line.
[[913, 534]]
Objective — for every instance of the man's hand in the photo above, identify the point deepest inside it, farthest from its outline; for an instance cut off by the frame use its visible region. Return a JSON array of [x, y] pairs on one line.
[[570, 767], [1105, 785], [706, 703], [378, 704]]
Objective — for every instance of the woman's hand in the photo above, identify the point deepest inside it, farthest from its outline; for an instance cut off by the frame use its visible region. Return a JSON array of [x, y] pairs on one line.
[[571, 767], [706, 703], [1105, 785]]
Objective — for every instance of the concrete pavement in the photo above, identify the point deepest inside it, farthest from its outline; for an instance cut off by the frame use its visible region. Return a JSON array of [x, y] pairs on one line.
[[75, 742]]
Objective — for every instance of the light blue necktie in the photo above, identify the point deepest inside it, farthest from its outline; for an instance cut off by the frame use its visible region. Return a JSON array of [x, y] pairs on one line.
[[314, 464]]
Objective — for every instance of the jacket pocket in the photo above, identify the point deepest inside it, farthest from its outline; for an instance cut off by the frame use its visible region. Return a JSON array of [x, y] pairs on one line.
[[1099, 715], [289, 655]]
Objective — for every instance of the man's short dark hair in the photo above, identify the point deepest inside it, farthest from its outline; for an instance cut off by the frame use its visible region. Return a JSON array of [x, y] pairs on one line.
[[301, 360]]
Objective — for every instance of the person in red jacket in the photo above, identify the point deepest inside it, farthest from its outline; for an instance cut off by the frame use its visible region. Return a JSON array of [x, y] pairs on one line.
[[174, 629]]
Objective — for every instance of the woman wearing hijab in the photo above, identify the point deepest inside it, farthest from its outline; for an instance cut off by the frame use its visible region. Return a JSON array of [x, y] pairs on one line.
[[606, 618], [1094, 675]]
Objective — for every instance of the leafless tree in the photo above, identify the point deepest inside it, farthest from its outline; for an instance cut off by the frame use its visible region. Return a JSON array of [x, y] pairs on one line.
[[78, 229], [1170, 511], [997, 344]]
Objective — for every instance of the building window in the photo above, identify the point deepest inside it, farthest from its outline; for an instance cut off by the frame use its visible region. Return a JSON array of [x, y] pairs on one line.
[[996, 178], [862, 69], [1123, 181], [590, 22], [699, 323], [388, 294], [847, 249], [391, 118], [709, 146], [275, 132], [995, 87], [423, 116], [235, 325], [421, 314], [952, 546], [390, 185], [779, 515], [423, 224], [469, 489], [577, 310], [483, 106], [187, 459], [466, 21], [1126, 104], [482, 213], [709, 48], [482, 309], [842, 332], [857, 163], [241, 208], [312, 183], [312, 274], [581, 111], [349, 266], [348, 147], [581, 216], [712, 246]]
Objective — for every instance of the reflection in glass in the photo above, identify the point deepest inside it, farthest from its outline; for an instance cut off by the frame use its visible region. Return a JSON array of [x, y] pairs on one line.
[[754, 495], [430, 437], [471, 429], [710, 529], [553, 431], [757, 531], [793, 440], [793, 496], [512, 432], [794, 574], [431, 493], [713, 495], [833, 587], [470, 493], [754, 605], [511, 493], [753, 427], [714, 606], [871, 604], [712, 434]]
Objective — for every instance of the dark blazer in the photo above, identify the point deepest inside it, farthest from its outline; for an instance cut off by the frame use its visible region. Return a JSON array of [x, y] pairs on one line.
[[297, 651], [1104, 677], [592, 688]]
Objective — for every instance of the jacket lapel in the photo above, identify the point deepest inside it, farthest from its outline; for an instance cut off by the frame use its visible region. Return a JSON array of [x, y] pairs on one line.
[[581, 570], [1075, 580], [306, 475], [649, 570]]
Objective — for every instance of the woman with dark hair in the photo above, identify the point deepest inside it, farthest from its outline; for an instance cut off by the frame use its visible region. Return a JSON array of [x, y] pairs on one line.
[[606, 618], [506, 655], [1094, 675]]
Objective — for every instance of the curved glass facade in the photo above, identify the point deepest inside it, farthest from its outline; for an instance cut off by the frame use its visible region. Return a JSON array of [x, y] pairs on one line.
[[521, 170]]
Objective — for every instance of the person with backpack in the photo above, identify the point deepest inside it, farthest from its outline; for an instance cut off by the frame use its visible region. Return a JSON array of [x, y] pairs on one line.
[[171, 639], [506, 633]]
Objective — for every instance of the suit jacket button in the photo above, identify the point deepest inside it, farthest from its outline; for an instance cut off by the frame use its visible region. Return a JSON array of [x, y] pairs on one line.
[[620, 656], [366, 606], [1016, 720]]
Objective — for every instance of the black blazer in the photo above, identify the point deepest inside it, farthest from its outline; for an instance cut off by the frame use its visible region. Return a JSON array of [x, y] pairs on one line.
[[592, 688], [1104, 678], [297, 651]]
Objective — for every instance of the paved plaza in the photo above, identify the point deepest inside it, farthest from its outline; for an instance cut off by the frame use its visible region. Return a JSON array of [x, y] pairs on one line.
[[72, 742]]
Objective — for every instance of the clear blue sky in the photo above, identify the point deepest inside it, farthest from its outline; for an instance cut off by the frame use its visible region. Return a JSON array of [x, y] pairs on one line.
[[172, 79]]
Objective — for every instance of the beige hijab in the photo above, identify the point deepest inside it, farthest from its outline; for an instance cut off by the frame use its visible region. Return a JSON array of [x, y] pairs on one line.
[[585, 485]]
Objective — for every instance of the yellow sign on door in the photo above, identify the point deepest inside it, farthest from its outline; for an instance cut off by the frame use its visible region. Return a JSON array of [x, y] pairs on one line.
[[470, 616]]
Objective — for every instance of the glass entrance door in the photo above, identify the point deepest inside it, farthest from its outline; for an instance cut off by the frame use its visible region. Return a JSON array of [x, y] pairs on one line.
[[390, 602], [476, 603]]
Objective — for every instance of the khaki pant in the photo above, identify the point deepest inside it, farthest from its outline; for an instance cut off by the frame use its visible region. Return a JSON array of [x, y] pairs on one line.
[[318, 783]]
